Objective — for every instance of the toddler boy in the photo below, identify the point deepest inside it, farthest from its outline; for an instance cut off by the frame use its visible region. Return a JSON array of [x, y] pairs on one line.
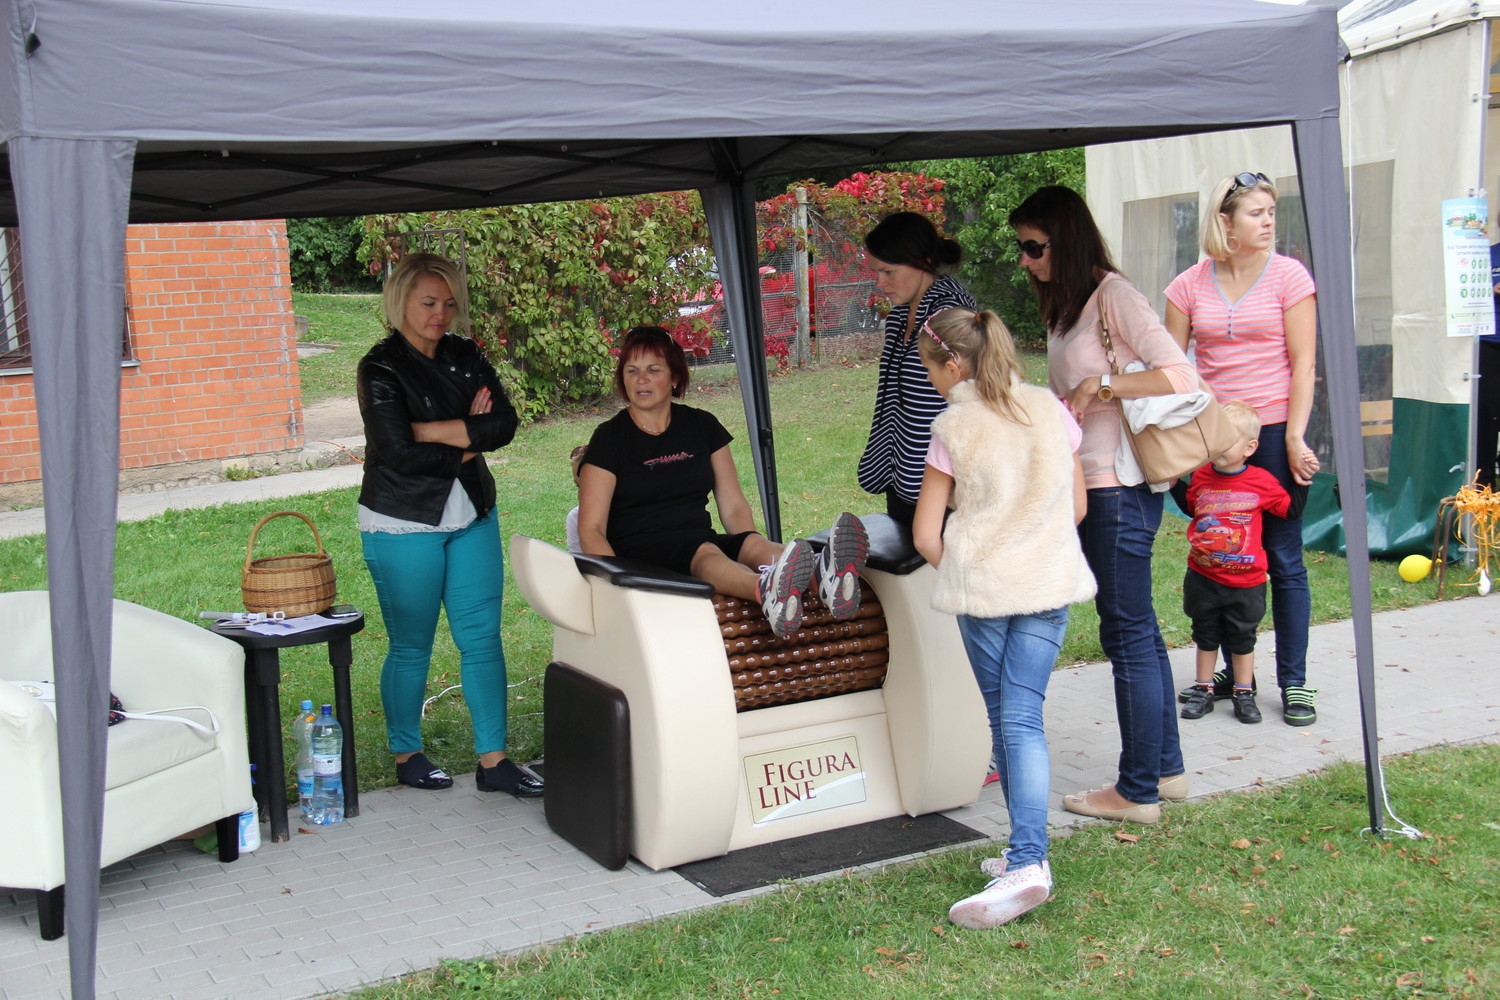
[[1224, 591]]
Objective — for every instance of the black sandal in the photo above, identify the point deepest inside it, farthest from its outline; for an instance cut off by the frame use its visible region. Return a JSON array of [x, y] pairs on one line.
[[417, 771], [508, 776]]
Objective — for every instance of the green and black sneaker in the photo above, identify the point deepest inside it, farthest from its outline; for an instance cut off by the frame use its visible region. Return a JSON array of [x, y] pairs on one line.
[[1297, 706]]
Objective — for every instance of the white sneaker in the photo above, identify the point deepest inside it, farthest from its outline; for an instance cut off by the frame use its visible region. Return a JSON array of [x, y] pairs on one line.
[[995, 867], [840, 563], [782, 585], [1005, 898]]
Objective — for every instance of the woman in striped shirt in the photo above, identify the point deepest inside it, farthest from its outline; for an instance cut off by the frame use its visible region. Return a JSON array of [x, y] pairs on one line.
[[908, 256], [1252, 316]]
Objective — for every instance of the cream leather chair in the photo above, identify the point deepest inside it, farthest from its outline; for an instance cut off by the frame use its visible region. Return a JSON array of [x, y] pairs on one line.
[[162, 779], [706, 778]]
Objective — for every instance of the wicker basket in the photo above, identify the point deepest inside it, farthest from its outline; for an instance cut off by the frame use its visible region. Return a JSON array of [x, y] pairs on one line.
[[294, 584]]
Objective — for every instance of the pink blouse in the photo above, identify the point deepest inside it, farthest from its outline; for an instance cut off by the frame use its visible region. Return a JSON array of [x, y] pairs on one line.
[[1073, 356]]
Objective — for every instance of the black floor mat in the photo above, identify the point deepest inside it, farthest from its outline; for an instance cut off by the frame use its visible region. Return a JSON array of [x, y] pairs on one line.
[[825, 852]]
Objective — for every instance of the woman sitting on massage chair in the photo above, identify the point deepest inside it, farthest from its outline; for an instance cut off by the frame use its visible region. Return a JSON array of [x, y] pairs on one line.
[[643, 494]]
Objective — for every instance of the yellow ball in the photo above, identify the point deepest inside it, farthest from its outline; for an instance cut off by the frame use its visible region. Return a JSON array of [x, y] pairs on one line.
[[1414, 568]]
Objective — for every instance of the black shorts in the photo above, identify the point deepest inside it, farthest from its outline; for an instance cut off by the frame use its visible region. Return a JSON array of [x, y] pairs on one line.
[[675, 550], [1223, 615]]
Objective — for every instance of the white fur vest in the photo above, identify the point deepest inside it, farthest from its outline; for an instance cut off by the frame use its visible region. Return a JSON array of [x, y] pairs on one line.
[[1010, 546]]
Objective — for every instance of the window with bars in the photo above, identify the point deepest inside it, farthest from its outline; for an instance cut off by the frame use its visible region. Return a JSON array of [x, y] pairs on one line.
[[15, 337]]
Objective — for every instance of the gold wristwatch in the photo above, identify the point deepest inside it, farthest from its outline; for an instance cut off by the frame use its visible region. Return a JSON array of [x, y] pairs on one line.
[[1105, 392]]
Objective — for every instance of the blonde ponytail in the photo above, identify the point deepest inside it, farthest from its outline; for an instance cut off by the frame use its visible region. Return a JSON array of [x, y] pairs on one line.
[[983, 347]]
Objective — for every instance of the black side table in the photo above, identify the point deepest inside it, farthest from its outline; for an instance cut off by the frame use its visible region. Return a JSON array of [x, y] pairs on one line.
[[263, 710]]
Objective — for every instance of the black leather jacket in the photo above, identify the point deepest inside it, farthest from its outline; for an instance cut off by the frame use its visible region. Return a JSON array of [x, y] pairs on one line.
[[398, 385]]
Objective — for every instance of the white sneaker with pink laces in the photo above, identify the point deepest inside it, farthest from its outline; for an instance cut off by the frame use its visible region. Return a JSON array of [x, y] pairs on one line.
[[1014, 892]]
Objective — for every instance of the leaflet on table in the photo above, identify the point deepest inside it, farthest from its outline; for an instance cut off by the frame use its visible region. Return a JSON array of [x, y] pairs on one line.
[[289, 626]]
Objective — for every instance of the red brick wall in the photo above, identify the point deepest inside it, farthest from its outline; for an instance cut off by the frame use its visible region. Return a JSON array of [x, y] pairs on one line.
[[213, 335]]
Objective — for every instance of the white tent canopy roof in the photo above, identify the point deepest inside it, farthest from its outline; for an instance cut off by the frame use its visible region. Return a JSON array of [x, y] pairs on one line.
[[1373, 25]]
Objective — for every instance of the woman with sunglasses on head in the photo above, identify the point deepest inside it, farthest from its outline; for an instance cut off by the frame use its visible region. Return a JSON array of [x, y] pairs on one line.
[[1075, 281], [1252, 315], [909, 257]]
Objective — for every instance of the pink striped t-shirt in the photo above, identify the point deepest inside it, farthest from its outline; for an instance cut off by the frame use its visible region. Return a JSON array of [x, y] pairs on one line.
[[1241, 349]]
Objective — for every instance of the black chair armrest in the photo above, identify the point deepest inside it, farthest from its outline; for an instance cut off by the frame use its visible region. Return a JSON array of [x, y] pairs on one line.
[[891, 548], [640, 575]]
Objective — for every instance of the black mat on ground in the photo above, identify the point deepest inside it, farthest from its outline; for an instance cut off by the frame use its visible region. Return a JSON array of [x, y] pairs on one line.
[[817, 853]]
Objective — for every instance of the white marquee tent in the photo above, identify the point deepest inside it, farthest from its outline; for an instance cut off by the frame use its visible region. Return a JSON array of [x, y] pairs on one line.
[[177, 110], [1417, 130]]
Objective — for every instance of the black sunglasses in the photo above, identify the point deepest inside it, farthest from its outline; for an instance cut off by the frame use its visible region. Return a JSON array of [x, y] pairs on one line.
[[1032, 248], [1248, 180]]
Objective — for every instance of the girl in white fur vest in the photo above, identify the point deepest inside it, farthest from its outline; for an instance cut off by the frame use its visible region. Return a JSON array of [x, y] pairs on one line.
[[1009, 563]]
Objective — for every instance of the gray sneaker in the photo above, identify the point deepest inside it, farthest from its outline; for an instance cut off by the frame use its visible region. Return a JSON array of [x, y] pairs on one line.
[[839, 566], [782, 585]]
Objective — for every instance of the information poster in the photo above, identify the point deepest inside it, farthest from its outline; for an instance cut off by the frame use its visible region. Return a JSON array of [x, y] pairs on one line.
[[1466, 268]]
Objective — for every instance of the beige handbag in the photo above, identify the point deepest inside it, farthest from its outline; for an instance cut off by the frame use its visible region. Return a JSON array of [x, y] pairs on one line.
[[1166, 454]]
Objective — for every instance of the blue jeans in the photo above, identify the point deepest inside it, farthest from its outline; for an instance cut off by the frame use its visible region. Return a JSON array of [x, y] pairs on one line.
[[1012, 659], [415, 574], [1291, 600], [1117, 535]]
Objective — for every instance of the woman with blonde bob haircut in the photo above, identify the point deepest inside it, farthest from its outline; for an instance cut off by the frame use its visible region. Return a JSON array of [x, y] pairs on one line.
[[412, 269], [1009, 563], [432, 406], [1252, 315]]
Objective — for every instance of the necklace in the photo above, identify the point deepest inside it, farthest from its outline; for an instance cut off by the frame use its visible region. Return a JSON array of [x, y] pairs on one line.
[[657, 432]]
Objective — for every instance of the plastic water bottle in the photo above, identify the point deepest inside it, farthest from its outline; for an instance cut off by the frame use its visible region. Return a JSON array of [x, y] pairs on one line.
[[328, 763], [249, 831], [302, 730]]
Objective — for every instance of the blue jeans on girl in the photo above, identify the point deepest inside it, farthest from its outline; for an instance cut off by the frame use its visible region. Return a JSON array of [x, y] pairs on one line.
[[415, 574], [1012, 659], [1117, 534]]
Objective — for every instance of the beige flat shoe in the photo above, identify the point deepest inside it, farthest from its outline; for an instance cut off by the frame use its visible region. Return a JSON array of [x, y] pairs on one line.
[[1144, 813], [1173, 789]]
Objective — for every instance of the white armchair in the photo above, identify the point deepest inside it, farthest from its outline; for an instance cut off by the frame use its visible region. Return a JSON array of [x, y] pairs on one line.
[[162, 779]]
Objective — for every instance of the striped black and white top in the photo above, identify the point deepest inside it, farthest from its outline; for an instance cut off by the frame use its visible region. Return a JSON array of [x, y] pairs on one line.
[[905, 402]]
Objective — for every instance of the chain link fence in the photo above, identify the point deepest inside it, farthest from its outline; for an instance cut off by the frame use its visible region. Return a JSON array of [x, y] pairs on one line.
[[844, 313]]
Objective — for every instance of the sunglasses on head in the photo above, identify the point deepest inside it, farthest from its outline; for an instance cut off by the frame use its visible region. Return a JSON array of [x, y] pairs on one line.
[[1248, 180], [1032, 248]]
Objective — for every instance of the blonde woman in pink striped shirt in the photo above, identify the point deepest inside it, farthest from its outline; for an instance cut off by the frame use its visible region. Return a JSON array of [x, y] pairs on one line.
[[1252, 317]]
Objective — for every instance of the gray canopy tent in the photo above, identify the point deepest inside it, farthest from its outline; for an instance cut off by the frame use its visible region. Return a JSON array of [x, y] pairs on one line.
[[181, 110]]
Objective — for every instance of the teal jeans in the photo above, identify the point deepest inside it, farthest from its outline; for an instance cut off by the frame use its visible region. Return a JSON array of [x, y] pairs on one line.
[[417, 574]]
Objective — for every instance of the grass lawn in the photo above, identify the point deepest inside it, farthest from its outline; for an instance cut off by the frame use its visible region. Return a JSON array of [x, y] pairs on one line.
[[1265, 894], [349, 323], [187, 561]]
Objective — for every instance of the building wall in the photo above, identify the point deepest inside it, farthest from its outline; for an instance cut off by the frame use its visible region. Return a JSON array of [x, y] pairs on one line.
[[213, 374]]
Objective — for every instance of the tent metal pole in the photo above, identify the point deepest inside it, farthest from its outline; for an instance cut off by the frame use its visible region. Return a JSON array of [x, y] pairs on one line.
[[730, 208], [1325, 199], [72, 198]]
